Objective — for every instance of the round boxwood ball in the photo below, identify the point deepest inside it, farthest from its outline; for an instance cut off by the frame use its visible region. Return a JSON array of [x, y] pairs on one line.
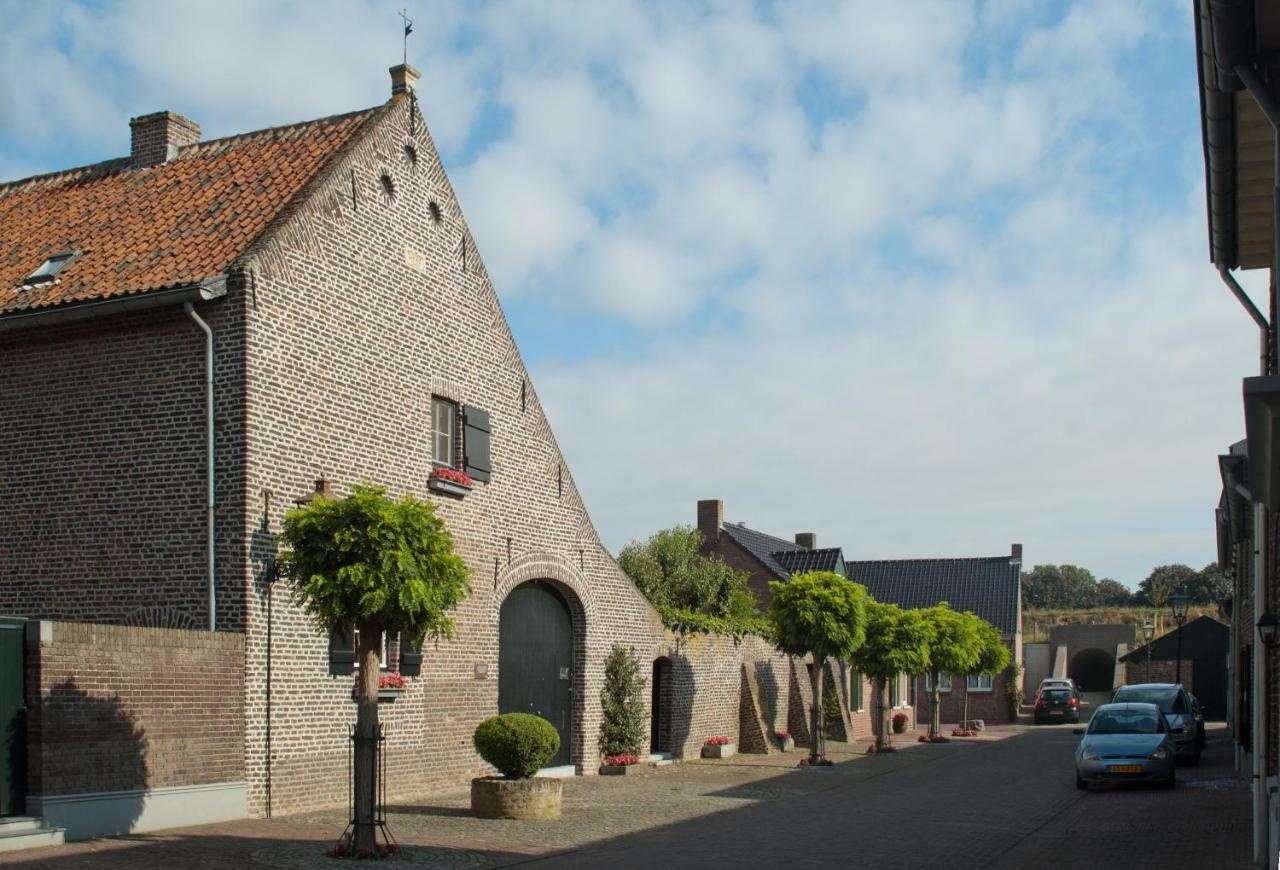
[[518, 744]]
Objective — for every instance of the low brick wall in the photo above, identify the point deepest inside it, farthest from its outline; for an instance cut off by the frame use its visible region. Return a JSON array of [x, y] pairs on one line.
[[115, 708], [991, 707]]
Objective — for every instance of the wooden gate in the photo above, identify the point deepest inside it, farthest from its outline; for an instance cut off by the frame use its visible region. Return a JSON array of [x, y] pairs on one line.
[[535, 659], [13, 726]]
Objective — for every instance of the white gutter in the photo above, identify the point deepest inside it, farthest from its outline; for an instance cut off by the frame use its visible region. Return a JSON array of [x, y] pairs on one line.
[[208, 384], [1258, 744]]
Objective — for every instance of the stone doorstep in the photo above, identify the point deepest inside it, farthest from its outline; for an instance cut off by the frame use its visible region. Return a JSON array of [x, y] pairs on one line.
[[27, 832]]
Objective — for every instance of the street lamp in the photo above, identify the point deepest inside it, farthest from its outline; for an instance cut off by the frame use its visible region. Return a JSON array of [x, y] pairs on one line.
[[1179, 601], [1148, 632], [1267, 627]]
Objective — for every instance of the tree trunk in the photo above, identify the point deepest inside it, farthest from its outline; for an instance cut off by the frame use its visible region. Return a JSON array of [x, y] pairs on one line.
[[817, 745], [369, 654], [881, 687], [935, 715], [965, 723]]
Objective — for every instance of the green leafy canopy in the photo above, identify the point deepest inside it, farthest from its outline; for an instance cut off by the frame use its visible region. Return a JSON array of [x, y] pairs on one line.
[[955, 646], [897, 642], [819, 612], [367, 559]]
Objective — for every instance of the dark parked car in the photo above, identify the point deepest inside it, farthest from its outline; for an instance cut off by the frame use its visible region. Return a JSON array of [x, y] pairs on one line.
[[1176, 704], [1126, 743], [1055, 704]]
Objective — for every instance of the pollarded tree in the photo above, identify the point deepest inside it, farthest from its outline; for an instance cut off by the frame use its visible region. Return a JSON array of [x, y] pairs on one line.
[[369, 563], [820, 614], [897, 642], [954, 649], [993, 655]]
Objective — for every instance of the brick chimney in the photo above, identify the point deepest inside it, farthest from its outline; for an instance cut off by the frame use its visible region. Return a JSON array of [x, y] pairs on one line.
[[710, 519], [1015, 557], [808, 540], [404, 79], [157, 137]]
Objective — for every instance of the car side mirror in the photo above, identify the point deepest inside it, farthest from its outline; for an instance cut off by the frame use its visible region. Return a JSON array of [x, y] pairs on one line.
[[1077, 730]]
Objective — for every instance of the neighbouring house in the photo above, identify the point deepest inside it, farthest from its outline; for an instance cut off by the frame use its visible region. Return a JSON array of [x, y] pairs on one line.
[[194, 337], [989, 587], [1204, 645], [766, 558], [1239, 100]]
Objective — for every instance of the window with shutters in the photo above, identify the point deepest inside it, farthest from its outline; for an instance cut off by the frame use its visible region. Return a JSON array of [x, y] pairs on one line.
[[444, 429]]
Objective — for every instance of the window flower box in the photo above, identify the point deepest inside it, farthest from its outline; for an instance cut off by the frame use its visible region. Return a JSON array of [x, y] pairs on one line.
[[390, 687], [450, 481], [624, 765], [718, 747]]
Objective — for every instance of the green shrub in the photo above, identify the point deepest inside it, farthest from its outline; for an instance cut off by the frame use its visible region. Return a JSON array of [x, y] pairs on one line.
[[832, 727], [1012, 691], [623, 729], [518, 744]]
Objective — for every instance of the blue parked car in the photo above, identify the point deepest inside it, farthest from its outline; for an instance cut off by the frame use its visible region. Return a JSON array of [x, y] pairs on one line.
[[1129, 742]]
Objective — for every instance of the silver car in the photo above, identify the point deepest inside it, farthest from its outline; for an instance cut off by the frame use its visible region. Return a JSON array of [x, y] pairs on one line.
[[1175, 702], [1126, 743]]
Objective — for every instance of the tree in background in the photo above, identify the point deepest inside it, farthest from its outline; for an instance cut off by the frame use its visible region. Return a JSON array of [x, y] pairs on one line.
[[993, 656], [954, 647], [670, 570], [1210, 585], [820, 614], [1059, 587], [622, 729], [897, 642], [1112, 593], [379, 566], [1162, 582]]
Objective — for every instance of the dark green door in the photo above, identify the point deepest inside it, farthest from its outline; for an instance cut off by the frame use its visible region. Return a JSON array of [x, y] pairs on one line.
[[535, 659], [13, 736]]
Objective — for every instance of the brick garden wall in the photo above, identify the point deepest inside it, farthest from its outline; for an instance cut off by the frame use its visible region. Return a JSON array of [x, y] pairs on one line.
[[113, 708], [992, 707]]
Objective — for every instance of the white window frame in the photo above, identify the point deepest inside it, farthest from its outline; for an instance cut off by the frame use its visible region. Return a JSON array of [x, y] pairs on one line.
[[440, 404], [384, 662], [944, 682], [973, 682]]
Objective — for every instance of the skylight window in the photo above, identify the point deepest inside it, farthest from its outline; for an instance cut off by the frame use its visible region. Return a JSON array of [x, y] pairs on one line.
[[49, 269]]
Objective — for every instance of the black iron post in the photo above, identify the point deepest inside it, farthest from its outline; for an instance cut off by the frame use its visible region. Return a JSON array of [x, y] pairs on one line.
[[1179, 601]]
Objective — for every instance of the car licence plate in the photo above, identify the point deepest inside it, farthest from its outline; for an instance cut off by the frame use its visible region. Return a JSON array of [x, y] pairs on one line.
[[1055, 712], [1124, 768]]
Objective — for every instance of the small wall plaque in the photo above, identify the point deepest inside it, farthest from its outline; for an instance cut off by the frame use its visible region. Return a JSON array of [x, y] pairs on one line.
[[415, 260], [564, 673], [482, 670]]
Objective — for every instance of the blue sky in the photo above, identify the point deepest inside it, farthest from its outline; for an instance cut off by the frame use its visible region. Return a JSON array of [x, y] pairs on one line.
[[926, 278]]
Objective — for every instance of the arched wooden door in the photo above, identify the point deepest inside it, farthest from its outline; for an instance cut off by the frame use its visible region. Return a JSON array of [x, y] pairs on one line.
[[535, 659]]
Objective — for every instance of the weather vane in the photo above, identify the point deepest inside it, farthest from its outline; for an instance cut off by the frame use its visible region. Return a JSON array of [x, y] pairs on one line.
[[408, 28]]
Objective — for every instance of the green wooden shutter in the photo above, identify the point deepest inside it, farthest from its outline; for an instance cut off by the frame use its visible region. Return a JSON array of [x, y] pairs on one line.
[[475, 443], [410, 656], [342, 652]]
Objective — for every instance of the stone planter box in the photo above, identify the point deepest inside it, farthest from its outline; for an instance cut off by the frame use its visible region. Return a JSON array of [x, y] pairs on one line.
[[448, 487], [976, 725], [539, 798], [389, 694], [787, 745], [709, 751], [640, 768]]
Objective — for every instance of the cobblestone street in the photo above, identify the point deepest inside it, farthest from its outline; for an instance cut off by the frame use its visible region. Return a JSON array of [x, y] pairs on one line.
[[989, 803]]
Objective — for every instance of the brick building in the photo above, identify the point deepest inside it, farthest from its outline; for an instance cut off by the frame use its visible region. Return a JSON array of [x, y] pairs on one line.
[[190, 338], [990, 587]]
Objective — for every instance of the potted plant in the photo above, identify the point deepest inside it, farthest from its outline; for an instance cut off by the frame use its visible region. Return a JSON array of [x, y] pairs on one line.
[[518, 745], [624, 722], [718, 747], [900, 723], [785, 741], [450, 481], [391, 686]]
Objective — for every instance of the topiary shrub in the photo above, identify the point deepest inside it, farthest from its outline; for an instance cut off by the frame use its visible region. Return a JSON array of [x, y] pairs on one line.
[[517, 744], [624, 725]]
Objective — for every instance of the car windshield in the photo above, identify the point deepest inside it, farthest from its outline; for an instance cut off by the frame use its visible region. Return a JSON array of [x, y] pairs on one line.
[[1057, 694], [1124, 722], [1168, 700]]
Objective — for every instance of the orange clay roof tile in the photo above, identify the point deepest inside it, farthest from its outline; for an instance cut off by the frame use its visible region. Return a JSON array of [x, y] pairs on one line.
[[149, 228]]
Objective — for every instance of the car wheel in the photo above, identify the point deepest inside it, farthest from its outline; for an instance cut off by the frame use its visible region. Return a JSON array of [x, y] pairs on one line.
[[1081, 784]]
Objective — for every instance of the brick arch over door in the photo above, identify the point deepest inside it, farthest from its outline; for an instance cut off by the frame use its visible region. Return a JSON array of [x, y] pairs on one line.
[[569, 583]]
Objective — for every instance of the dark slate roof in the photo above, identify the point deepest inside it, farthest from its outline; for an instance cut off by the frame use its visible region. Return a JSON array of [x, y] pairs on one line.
[[763, 547], [800, 561], [1202, 638], [987, 587]]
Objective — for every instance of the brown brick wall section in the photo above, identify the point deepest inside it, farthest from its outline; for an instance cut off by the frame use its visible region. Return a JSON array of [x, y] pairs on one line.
[[115, 707]]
